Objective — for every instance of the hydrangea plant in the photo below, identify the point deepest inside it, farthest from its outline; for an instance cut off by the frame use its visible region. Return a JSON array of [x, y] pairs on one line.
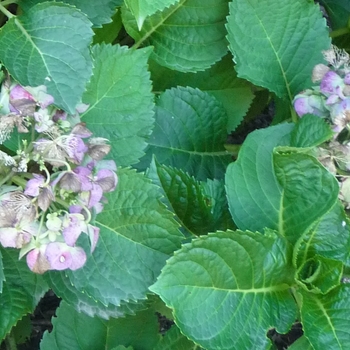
[[121, 192]]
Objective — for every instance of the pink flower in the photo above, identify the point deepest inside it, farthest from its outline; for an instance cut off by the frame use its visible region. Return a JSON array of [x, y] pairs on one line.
[[62, 257]]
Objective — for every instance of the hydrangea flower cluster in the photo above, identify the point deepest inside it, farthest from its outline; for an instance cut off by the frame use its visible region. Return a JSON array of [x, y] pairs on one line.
[[330, 99], [53, 185]]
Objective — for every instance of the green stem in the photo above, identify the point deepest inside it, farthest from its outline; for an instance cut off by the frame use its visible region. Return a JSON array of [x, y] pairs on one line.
[[294, 115], [339, 32], [4, 10], [6, 178]]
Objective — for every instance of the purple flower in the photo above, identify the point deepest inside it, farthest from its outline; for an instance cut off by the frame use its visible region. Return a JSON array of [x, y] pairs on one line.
[[62, 257], [75, 148], [331, 83], [340, 108], [306, 103], [36, 188], [105, 180], [73, 225]]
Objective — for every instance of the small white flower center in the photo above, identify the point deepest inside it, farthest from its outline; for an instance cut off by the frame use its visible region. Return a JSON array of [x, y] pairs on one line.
[[62, 259]]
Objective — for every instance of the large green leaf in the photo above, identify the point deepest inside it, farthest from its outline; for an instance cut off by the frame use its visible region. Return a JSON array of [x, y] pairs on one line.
[[121, 102], [228, 288], [21, 292], [282, 191], [188, 36], [73, 330], [329, 237], [277, 45], [219, 80], [254, 194], [326, 319], [137, 236], [308, 192], [49, 45], [144, 8], [189, 133], [98, 12]]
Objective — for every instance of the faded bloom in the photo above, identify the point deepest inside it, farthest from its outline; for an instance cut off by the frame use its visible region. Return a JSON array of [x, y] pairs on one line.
[[38, 188], [96, 182], [21, 101]]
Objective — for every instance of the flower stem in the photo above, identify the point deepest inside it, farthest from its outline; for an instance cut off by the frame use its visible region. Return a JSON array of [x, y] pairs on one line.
[[6, 178], [4, 10]]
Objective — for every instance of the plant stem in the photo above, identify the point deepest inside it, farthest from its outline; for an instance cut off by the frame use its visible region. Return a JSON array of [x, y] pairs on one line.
[[339, 32], [6, 178], [5, 11]]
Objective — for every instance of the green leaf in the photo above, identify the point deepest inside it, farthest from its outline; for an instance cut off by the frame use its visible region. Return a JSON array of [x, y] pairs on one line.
[[174, 340], [98, 12], [49, 45], [137, 236], [108, 32], [73, 330], [141, 9], [311, 131], [308, 192], [185, 196], [286, 192], [301, 344], [190, 133], [326, 318], [338, 11], [319, 274], [21, 292], [220, 80], [121, 102], [188, 36], [253, 192], [215, 191], [277, 46], [230, 281], [329, 237], [63, 288], [199, 209]]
